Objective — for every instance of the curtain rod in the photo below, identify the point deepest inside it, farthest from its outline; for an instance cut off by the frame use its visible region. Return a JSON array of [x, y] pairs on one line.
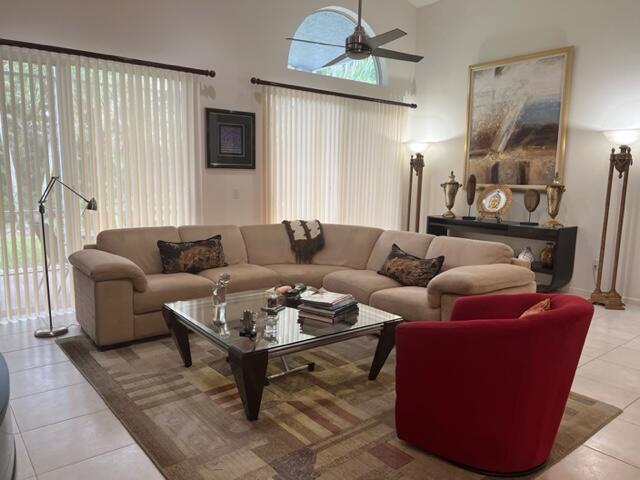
[[257, 81], [103, 56]]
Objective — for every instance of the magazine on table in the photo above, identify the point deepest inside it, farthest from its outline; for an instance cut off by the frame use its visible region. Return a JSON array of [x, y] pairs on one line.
[[328, 300]]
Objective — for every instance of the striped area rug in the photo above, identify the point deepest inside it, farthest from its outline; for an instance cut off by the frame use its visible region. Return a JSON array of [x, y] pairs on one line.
[[331, 423]]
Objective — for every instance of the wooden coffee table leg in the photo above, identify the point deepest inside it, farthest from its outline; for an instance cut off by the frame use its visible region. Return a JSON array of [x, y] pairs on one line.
[[386, 342], [180, 335], [250, 373]]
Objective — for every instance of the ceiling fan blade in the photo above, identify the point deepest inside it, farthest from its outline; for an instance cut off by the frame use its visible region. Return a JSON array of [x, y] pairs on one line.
[[407, 57], [315, 43], [383, 38], [335, 60]]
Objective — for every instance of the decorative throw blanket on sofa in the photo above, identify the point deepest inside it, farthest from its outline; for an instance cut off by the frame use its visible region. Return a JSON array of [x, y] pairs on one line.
[[306, 238]]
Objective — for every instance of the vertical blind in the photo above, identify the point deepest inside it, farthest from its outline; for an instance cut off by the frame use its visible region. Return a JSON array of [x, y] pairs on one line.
[[125, 134], [334, 159]]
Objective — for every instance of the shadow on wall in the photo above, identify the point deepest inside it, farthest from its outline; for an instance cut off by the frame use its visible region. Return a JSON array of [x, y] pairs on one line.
[[208, 91], [518, 40]]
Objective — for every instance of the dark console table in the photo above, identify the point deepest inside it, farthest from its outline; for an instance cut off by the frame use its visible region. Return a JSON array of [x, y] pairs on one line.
[[563, 238]]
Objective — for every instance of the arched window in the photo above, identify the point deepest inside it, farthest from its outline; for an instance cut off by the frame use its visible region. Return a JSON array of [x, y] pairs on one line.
[[331, 25]]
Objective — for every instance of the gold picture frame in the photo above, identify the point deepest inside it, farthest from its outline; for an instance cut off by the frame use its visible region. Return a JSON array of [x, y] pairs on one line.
[[494, 201], [517, 113]]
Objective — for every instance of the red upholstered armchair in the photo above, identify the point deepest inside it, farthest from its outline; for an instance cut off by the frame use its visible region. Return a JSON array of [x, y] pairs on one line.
[[487, 390]]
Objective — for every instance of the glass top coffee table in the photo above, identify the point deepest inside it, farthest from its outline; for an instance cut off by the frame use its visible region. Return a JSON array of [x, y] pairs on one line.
[[248, 357]]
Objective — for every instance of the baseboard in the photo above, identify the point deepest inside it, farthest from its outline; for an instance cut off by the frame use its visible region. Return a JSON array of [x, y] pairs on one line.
[[587, 293]]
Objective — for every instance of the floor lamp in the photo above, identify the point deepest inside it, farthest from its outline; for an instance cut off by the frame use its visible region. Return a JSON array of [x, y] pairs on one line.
[[91, 205], [621, 162], [416, 165]]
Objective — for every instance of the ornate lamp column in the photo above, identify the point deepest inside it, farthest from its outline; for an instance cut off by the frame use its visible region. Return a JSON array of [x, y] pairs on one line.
[[416, 165], [621, 162]]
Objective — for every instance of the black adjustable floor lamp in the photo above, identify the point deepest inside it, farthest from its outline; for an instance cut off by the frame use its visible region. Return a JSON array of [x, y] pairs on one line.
[[91, 205]]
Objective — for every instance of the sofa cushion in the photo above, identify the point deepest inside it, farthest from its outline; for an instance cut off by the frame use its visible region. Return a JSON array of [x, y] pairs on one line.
[[410, 270], [232, 241], [303, 273], [140, 245], [191, 257], [359, 283], [267, 244], [169, 287], [408, 302], [411, 242], [459, 251], [244, 276], [346, 245]]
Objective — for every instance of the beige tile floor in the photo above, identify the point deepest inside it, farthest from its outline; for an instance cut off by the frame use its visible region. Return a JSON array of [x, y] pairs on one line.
[[64, 430]]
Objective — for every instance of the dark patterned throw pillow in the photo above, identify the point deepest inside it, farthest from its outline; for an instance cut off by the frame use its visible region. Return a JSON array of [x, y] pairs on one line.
[[191, 257], [410, 270]]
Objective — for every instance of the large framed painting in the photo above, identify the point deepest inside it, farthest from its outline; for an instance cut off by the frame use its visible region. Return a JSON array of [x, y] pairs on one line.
[[517, 119], [231, 141]]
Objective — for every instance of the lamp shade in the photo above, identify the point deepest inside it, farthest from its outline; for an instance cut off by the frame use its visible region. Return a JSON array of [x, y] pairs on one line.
[[622, 137], [415, 146]]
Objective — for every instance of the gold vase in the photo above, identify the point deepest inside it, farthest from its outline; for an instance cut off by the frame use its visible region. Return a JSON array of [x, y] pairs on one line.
[[547, 256], [554, 197], [450, 190]]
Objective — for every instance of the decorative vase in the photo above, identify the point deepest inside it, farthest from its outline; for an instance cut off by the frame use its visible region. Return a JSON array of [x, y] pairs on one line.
[[526, 254], [450, 190], [554, 197], [219, 292], [546, 256]]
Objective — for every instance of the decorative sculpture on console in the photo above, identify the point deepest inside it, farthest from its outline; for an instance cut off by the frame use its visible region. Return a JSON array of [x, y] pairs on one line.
[[450, 191]]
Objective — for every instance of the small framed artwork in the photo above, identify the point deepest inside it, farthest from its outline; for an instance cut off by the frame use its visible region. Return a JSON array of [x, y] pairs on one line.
[[231, 140], [517, 119]]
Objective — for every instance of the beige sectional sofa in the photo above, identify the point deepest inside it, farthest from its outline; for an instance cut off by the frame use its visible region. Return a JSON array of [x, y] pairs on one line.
[[120, 287]]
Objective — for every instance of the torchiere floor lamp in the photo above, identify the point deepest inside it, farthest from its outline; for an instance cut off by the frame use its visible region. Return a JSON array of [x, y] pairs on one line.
[[621, 162], [417, 165], [91, 205]]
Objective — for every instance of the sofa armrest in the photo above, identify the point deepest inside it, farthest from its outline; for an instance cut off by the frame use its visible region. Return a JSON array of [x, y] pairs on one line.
[[521, 262], [477, 280], [102, 266]]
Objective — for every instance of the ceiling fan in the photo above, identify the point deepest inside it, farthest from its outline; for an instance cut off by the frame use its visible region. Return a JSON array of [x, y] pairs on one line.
[[359, 45]]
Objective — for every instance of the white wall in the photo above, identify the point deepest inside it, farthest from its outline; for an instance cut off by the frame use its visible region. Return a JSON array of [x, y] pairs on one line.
[[237, 38], [453, 34]]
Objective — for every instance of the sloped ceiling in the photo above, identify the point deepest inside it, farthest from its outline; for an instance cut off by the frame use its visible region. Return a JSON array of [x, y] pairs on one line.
[[422, 3]]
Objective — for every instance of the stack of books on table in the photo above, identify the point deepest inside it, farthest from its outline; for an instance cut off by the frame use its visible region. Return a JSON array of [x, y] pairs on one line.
[[328, 307]]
